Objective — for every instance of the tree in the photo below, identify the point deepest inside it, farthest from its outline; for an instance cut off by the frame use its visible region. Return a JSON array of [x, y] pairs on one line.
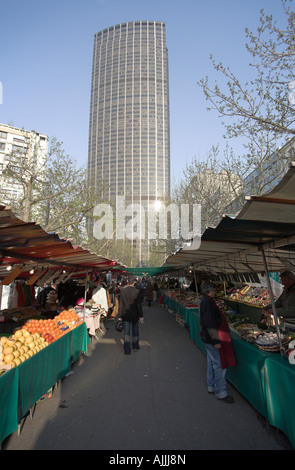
[[55, 192], [213, 183], [262, 105], [259, 114], [67, 197]]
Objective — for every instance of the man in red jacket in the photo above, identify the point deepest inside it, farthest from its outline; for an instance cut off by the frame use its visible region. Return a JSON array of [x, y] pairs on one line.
[[130, 311]]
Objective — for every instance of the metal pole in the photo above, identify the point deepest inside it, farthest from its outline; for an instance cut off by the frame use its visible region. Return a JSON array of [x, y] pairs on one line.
[[197, 291], [272, 302], [85, 295]]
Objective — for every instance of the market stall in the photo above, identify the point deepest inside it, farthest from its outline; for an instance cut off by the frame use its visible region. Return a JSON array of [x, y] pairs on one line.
[[39, 339], [182, 304], [260, 239], [264, 378], [32, 258], [21, 387]]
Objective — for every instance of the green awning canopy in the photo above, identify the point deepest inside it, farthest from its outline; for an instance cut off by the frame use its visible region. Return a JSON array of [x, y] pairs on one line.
[[147, 271]]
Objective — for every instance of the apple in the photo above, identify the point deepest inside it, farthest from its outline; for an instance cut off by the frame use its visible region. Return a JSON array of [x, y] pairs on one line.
[[3, 340], [18, 334], [8, 350], [8, 358]]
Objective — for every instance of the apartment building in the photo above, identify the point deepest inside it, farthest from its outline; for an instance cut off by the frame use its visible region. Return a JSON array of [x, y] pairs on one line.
[[19, 148]]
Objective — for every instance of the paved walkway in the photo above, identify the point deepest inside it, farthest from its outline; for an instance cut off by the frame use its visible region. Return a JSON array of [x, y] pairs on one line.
[[154, 399]]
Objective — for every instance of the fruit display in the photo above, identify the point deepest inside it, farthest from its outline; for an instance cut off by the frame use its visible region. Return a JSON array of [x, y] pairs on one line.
[[258, 296], [187, 299], [61, 324], [19, 347], [34, 336]]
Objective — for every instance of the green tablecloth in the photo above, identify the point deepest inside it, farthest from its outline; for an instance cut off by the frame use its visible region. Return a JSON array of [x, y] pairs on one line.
[[179, 308], [8, 403], [171, 303], [267, 380], [195, 329], [248, 375], [253, 312], [23, 386], [279, 394]]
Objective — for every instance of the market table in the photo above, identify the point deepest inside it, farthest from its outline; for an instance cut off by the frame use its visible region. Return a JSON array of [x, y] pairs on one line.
[[265, 379], [171, 303], [279, 377], [251, 311], [8, 403], [179, 308], [23, 386], [92, 321], [248, 375]]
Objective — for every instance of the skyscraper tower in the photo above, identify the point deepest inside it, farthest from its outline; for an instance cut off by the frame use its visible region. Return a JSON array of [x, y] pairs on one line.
[[129, 134]]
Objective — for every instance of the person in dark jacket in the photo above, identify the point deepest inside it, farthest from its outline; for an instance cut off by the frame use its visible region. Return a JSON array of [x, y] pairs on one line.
[[285, 303], [149, 293], [130, 311], [217, 341]]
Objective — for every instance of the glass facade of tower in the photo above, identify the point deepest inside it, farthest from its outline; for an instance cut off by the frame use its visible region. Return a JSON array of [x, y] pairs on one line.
[[129, 141]]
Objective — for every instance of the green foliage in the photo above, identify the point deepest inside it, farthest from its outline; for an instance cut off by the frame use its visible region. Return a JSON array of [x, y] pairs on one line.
[[55, 192]]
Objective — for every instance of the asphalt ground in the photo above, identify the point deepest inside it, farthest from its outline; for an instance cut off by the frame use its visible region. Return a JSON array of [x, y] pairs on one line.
[[156, 399]]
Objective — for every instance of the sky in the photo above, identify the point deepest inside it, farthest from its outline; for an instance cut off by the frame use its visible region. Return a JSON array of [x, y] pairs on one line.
[[46, 64]]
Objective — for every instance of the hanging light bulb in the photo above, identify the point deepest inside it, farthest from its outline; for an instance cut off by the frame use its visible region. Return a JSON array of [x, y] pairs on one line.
[[9, 268]]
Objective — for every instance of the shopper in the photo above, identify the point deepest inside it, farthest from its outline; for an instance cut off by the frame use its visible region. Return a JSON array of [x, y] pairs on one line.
[[217, 340], [100, 299], [130, 311], [149, 293], [139, 286], [155, 291]]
